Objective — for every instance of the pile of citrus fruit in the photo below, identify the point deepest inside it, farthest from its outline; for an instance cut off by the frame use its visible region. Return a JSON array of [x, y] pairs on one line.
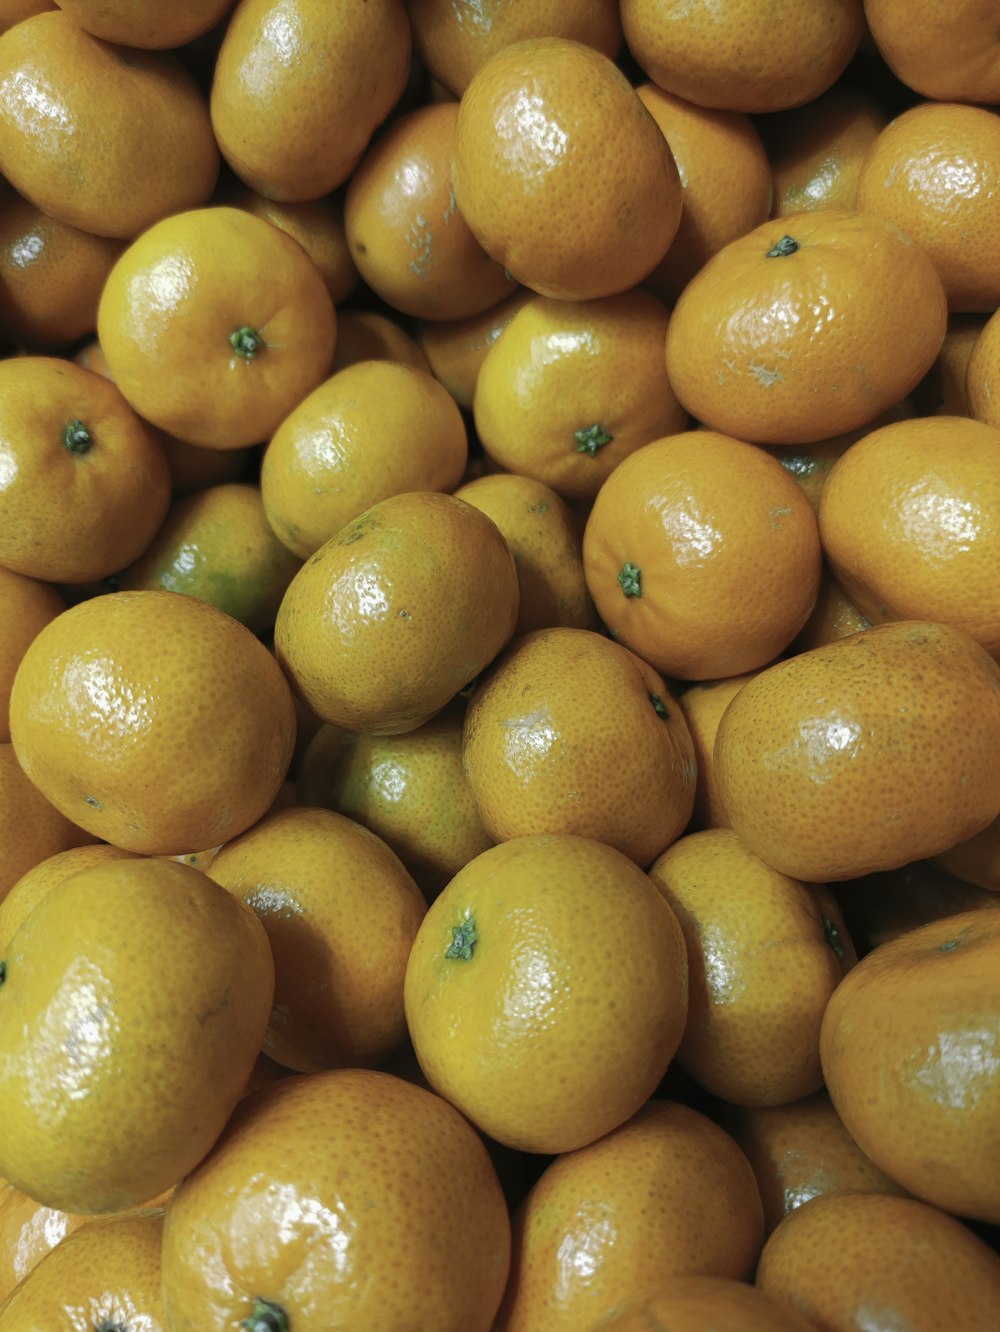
[[499, 687]]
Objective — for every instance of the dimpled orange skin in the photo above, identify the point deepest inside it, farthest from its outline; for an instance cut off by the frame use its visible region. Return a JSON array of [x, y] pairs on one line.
[[388, 620], [683, 534], [741, 55], [752, 1034], [934, 171], [366, 335], [107, 1272], [951, 54], [26, 607], [573, 387], [455, 350], [943, 390], [28, 1231], [154, 720], [167, 342], [910, 524], [982, 374], [561, 173], [817, 151], [145, 23], [666, 1194], [395, 1222], [788, 346], [802, 1151], [694, 1303], [371, 430], [703, 704], [78, 510], [37, 882], [13, 11], [571, 1003], [409, 241], [909, 1046], [82, 120], [726, 182], [873, 751], [455, 40], [325, 888], [31, 827], [976, 861], [317, 225], [106, 1113], [833, 616], [300, 86], [855, 1260], [544, 731]]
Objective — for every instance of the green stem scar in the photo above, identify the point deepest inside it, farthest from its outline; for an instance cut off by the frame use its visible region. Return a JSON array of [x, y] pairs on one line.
[[108, 1326], [266, 1317], [659, 707], [246, 342], [630, 579], [464, 938], [77, 437], [833, 936], [591, 438], [786, 246]]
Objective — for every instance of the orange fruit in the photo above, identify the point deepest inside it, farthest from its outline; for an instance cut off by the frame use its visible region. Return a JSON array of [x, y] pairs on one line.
[[388, 620], [243, 330], [897, 1263], [317, 225], [373, 429], [32, 827], [882, 906], [800, 1151], [81, 121], [910, 525], [51, 275], [943, 391], [372, 1232], [84, 484], [947, 55], [299, 87], [544, 538], [543, 731], [752, 1034], [573, 387], [692, 1303], [455, 349], [13, 11], [46, 874], [26, 607], [218, 546], [683, 536], [816, 151], [976, 860], [154, 720], [725, 179], [367, 335], [325, 888], [107, 1273], [454, 41], [740, 56], [907, 1048], [747, 354], [934, 171], [671, 1180], [546, 991], [410, 243], [135, 996], [28, 1231], [411, 790], [145, 23], [833, 616], [865, 754], [703, 704], [561, 173], [982, 376]]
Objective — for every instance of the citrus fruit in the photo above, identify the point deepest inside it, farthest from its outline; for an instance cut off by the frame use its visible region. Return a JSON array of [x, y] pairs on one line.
[[215, 324], [943, 390], [976, 860], [367, 335], [982, 374], [394, 1220], [28, 1231], [692, 1303], [953, 54], [544, 727], [561, 173], [684, 534], [47, 873], [133, 1004], [670, 1179], [703, 704], [817, 150], [391, 617], [317, 225], [455, 349], [26, 607], [546, 991], [907, 1048], [153, 720], [747, 353], [340, 912], [32, 827], [145, 23], [873, 751]]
